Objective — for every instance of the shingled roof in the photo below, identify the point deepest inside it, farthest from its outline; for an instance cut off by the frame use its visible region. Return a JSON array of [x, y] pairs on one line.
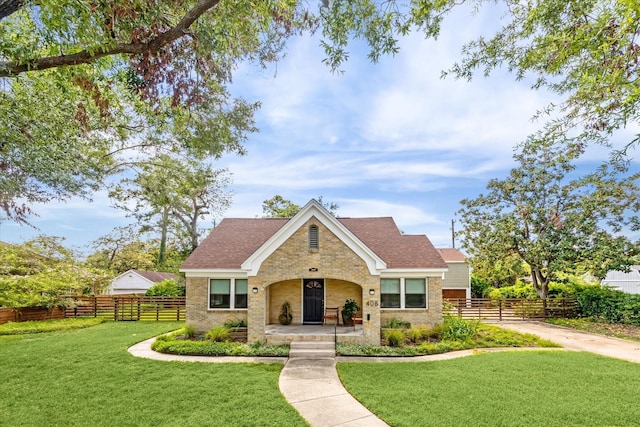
[[156, 276], [236, 239], [452, 255]]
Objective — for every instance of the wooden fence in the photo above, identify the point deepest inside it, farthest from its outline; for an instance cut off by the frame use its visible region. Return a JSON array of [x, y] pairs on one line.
[[128, 307], [25, 314], [511, 308]]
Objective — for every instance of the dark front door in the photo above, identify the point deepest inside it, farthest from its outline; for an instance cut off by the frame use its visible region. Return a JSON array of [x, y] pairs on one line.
[[313, 300]]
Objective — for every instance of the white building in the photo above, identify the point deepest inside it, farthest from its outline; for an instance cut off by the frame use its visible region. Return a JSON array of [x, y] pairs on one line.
[[625, 282], [138, 281]]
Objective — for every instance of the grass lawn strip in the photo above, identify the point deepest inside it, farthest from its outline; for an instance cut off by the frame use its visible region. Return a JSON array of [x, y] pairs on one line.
[[36, 327], [532, 388], [86, 377]]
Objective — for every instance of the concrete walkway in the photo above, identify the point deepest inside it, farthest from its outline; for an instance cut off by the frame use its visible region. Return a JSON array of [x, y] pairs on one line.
[[576, 340], [312, 387]]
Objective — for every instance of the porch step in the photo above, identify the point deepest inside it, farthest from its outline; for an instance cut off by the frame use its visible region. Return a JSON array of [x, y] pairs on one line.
[[312, 350]]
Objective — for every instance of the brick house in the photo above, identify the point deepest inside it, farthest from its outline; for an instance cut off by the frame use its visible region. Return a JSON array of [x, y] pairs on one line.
[[247, 268]]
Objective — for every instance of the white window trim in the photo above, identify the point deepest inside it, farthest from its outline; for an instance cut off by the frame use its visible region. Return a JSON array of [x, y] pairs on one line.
[[403, 294], [232, 293]]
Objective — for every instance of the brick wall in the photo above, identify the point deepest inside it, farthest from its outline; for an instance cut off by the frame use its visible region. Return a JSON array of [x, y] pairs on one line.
[[430, 316], [281, 274], [197, 314]]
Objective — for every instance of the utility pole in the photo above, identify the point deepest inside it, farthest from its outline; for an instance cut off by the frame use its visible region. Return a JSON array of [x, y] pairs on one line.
[[453, 234]]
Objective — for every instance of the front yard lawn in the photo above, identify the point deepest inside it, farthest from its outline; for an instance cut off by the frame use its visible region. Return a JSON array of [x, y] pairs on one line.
[[524, 388], [86, 377]]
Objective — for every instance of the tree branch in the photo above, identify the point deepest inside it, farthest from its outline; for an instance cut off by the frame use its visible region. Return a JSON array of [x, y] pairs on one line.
[[9, 68], [7, 7]]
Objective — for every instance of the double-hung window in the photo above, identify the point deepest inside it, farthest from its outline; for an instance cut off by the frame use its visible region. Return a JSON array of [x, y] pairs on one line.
[[227, 293], [415, 293], [403, 293], [390, 293]]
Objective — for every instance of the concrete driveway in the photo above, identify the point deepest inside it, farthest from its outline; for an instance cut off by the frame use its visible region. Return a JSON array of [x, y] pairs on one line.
[[576, 340]]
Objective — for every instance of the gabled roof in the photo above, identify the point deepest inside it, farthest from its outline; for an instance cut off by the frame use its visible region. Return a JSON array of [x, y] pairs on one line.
[[244, 243], [232, 242], [152, 276], [452, 255], [396, 249]]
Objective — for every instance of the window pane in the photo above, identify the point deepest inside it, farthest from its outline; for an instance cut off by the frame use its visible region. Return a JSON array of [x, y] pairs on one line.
[[390, 286], [414, 286], [390, 293], [415, 293], [241, 301], [220, 286], [220, 295], [241, 293], [390, 301], [415, 301], [241, 286]]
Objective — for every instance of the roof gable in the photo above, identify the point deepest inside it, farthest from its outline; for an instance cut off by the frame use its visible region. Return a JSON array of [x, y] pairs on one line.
[[314, 209]]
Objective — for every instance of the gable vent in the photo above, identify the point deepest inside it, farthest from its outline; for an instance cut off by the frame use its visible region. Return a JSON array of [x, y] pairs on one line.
[[313, 237]]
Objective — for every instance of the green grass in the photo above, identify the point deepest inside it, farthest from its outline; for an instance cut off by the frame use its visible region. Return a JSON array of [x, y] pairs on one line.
[[530, 388], [36, 327], [86, 377]]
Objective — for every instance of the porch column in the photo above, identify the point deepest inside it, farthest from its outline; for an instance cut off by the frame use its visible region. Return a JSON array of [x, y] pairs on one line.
[[256, 310], [371, 308]]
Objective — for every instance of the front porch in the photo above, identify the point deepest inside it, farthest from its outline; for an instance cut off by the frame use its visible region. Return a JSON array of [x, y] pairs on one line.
[[284, 334]]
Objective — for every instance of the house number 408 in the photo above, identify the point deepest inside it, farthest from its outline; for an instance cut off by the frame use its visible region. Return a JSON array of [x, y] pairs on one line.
[[372, 303]]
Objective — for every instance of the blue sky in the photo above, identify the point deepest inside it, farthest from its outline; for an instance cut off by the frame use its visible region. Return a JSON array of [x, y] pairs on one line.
[[386, 139]]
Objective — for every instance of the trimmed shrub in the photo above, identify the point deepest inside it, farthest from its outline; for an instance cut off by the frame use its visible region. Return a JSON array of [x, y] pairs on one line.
[[480, 287], [457, 329], [613, 306], [395, 323], [166, 288], [190, 332], [394, 337], [219, 334]]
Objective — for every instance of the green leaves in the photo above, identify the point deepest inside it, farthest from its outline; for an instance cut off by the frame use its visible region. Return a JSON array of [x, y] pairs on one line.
[[552, 221]]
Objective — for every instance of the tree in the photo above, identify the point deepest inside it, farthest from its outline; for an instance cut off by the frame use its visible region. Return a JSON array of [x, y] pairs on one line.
[[42, 272], [551, 220], [279, 207], [588, 52], [112, 77], [172, 195], [497, 269], [131, 255]]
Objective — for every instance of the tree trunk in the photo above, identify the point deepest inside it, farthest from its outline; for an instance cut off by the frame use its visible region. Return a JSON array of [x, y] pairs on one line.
[[163, 237], [540, 283]]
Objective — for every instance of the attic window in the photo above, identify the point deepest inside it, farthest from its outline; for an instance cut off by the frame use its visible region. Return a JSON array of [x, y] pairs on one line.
[[313, 237]]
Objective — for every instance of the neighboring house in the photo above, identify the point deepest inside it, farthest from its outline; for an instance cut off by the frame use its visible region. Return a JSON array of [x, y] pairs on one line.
[[625, 282], [138, 281], [247, 268], [457, 281]]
